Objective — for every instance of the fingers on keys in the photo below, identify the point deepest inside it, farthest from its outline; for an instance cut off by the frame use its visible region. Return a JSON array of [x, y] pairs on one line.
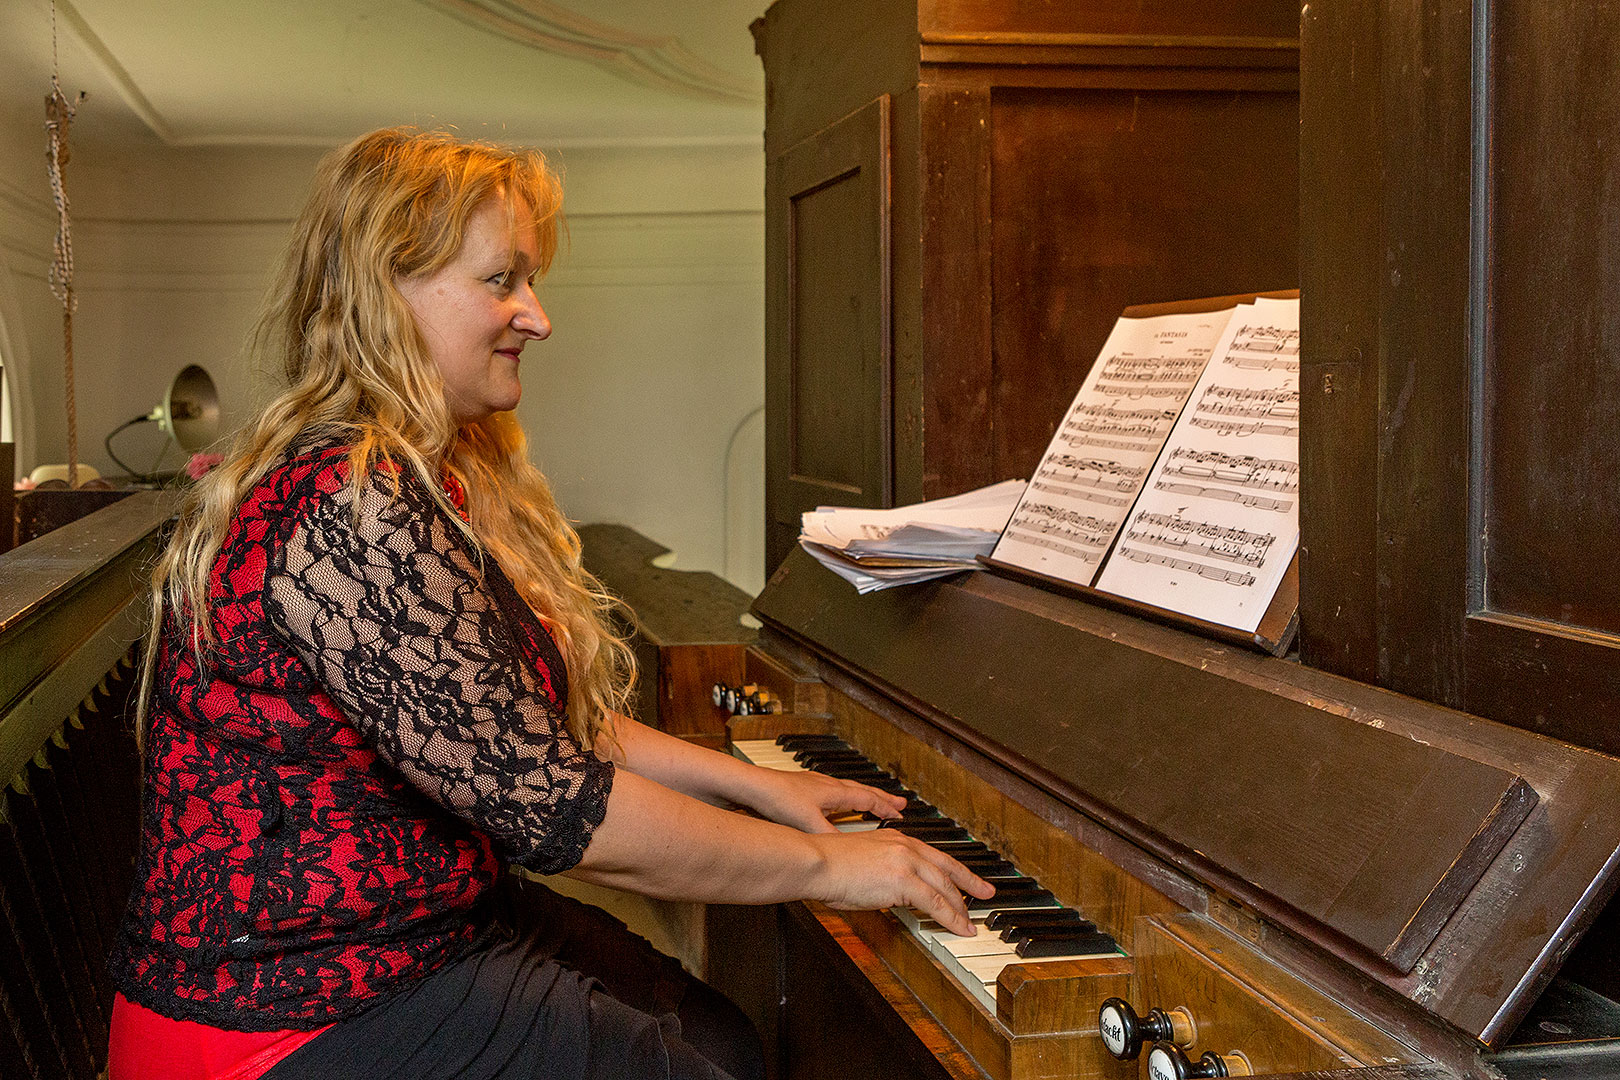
[[871, 800], [953, 879]]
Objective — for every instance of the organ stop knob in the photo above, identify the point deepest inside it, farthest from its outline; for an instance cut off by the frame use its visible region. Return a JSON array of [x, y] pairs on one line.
[[1167, 1061], [746, 700], [1124, 1033]]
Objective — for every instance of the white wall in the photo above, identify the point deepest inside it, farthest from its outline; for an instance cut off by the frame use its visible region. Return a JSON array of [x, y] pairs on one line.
[[30, 318], [657, 303], [656, 354]]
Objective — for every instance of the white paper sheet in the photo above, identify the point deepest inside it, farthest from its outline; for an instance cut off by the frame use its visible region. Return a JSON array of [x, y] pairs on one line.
[[877, 549], [1107, 442], [1218, 521]]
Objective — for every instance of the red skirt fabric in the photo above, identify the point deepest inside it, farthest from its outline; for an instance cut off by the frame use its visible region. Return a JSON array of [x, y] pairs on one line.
[[145, 1045]]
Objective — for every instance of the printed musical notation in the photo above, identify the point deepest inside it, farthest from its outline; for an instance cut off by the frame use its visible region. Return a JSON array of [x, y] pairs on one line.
[[1062, 530], [1084, 420], [1276, 403], [1260, 502], [1101, 454], [1263, 363], [1217, 520], [1089, 479], [1207, 538], [1269, 474], [1242, 429], [1267, 340], [1240, 578]]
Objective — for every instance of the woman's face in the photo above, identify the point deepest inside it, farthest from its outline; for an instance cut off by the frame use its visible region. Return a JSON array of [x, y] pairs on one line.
[[478, 311]]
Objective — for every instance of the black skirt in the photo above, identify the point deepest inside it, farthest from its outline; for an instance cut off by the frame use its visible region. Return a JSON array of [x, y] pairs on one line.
[[554, 989]]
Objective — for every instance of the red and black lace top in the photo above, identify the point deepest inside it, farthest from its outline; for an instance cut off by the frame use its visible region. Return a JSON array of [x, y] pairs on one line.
[[330, 797]]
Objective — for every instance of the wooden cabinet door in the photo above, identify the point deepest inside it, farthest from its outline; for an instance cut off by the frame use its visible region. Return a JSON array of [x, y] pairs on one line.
[[827, 324], [1461, 387]]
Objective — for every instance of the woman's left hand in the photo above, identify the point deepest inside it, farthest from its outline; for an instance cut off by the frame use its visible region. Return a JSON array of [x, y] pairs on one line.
[[804, 800]]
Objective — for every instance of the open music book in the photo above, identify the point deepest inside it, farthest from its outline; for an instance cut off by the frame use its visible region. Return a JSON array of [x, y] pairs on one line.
[[1172, 481]]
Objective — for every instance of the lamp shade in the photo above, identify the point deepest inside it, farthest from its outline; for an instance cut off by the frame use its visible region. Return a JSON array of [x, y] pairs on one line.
[[190, 409]]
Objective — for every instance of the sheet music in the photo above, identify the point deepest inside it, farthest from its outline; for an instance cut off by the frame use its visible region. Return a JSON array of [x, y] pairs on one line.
[[1106, 443], [1218, 520]]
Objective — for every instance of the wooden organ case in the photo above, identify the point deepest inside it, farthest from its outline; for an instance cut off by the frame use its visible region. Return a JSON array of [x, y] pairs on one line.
[[1307, 873]]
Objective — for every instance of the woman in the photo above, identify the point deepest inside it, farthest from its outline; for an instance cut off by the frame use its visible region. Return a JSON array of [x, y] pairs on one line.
[[378, 673]]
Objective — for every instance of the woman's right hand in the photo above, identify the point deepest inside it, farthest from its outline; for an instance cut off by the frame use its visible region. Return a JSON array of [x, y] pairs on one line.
[[881, 868]]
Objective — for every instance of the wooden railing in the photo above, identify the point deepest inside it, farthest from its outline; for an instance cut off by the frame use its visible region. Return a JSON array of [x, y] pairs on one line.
[[72, 608]]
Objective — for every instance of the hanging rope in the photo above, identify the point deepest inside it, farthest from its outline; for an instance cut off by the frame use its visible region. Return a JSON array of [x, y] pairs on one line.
[[59, 113]]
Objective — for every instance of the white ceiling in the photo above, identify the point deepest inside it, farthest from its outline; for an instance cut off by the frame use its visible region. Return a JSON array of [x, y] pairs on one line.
[[317, 72]]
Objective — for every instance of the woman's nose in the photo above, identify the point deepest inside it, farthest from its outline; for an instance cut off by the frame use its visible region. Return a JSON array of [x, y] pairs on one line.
[[531, 320]]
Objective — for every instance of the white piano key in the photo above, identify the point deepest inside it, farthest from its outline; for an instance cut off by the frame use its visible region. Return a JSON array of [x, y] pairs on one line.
[[983, 943], [975, 962]]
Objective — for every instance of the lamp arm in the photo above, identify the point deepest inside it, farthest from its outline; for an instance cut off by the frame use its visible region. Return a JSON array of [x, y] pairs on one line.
[[107, 442]]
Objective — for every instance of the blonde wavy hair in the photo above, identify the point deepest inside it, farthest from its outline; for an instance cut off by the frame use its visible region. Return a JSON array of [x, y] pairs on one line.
[[395, 204]]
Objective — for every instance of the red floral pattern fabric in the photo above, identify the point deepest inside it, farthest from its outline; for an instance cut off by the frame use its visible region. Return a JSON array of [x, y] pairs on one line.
[[330, 795]]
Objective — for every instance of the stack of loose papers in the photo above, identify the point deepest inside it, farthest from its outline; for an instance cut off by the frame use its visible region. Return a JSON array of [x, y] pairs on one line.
[[876, 549]]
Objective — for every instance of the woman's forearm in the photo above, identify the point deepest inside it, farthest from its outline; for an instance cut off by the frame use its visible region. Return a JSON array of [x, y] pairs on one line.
[[662, 843], [704, 774], [802, 800]]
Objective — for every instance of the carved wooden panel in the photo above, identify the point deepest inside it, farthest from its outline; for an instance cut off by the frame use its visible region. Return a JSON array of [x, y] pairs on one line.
[[828, 350], [1240, 1001], [1135, 196], [1459, 498]]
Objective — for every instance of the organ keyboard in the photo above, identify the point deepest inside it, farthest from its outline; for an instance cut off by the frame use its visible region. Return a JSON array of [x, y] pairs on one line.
[[1303, 874], [1309, 875], [1022, 923]]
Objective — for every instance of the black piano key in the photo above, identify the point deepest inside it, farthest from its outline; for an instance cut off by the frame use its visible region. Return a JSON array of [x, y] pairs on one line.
[[987, 867], [832, 768], [799, 742], [846, 773], [1032, 948], [933, 824], [1040, 933], [812, 757], [1013, 930], [957, 848], [929, 831], [1010, 888], [1001, 920], [1040, 898]]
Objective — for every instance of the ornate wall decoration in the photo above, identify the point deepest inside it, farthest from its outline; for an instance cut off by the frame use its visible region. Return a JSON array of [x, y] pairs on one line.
[[660, 62]]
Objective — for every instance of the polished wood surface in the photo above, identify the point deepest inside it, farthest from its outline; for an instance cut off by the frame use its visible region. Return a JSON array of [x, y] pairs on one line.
[[1457, 405], [829, 366], [687, 633], [1040, 178], [8, 497], [69, 780], [973, 658], [1138, 175], [1239, 1000], [1133, 737], [1044, 1023], [1157, 18]]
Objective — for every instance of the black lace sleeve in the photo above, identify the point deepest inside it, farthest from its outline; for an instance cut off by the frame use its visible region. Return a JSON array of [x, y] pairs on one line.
[[395, 618]]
